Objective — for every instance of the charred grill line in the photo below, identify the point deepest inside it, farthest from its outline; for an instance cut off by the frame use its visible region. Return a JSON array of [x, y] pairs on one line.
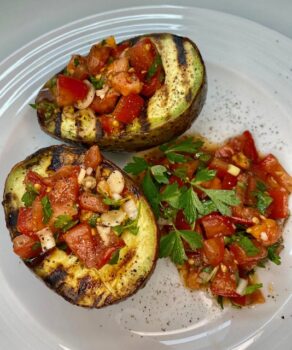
[[58, 123], [56, 278], [181, 54], [56, 162]]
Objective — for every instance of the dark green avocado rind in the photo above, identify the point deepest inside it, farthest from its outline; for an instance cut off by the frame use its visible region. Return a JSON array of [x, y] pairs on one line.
[[145, 135], [64, 273]]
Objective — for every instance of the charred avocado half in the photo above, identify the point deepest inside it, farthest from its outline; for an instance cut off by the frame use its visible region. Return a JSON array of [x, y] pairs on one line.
[[166, 114], [64, 272]]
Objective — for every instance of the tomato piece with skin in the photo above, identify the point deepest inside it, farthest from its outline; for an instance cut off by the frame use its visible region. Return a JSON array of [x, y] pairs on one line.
[[92, 202], [105, 105], [267, 232], [25, 247], [181, 222], [64, 171], [278, 209], [35, 179], [68, 208], [220, 166], [190, 167], [229, 182], [141, 55], [213, 249], [64, 190], [24, 221], [250, 299], [128, 108], [109, 124], [70, 90], [92, 157], [150, 87], [224, 284], [272, 166], [245, 261], [119, 49], [244, 215], [77, 67], [245, 144], [216, 225], [37, 215], [80, 241], [175, 179]]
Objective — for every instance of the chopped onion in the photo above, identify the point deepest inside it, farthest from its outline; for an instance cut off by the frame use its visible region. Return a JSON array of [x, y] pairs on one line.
[[233, 170], [104, 232], [131, 209], [242, 284], [116, 182], [86, 102], [113, 218], [46, 238]]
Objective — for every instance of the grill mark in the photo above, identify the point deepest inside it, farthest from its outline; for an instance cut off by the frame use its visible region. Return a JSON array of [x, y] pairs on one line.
[[78, 125], [58, 123], [56, 278], [12, 219], [85, 283], [56, 159], [188, 96], [181, 54], [98, 130], [143, 119]]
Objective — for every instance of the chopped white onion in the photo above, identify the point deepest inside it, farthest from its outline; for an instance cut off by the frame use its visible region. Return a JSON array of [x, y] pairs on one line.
[[46, 238], [86, 102], [116, 182], [233, 170], [81, 175], [131, 209], [113, 218], [104, 232], [242, 284]]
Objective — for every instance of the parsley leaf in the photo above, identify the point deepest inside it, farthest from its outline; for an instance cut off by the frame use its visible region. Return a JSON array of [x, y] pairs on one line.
[[137, 166], [181, 172], [36, 246], [130, 225], [76, 62], [175, 157], [47, 209], [65, 222], [186, 146], [92, 221], [30, 195], [193, 238], [33, 105], [273, 254], [115, 257], [247, 245], [154, 66], [191, 205], [97, 83], [171, 245], [113, 202], [209, 207], [171, 195], [151, 192], [263, 198], [158, 171], [203, 175], [222, 199], [252, 288]]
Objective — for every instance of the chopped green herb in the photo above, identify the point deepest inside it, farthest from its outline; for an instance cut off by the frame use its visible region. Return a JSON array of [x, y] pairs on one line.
[[151, 192], [137, 166], [191, 205], [159, 172], [97, 83], [263, 198], [176, 157], [113, 202], [252, 288], [208, 206], [193, 238], [76, 62], [47, 209], [220, 301], [115, 257], [171, 245], [30, 195], [181, 172], [203, 175], [36, 246], [222, 199], [203, 157], [93, 220], [130, 225], [247, 245], [62, 246], [33, 105], [187, 146], [171, 195], [154, 67], [65, 222], [273, 254]]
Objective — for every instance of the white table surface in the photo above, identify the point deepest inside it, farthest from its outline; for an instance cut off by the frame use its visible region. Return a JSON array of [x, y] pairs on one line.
[[23, 20]]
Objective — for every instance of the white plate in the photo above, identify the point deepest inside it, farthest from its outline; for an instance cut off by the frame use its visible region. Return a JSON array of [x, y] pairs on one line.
[[250, 87]]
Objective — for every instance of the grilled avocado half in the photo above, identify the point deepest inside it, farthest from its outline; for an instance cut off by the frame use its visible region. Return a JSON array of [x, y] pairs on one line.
[[63, 272], [168, 113]]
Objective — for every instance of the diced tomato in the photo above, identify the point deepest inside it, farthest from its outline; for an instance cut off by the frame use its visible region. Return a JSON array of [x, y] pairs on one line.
[[216, 225], [142, 55], [92, 202], [241, 187], [229, 182], [70, 90], [92, 157], [225, 151], [213, 249], [109, 124], [244, 215], [224, 284], [105, 105], [37, 215], [255, 298], [64, 171], [150, 87], [279, 207], [77, 67], [97, 58], [245, 144], [64, 190], [214, 184], [180, 221], [190, 167], [271, 165], [240, 300], [128, 108], [80, 241], [251, 188], [24, 221], [25, 247], [245, 261], [220, 166], [176, 179], [68, 208], [120, 49], [34, 178], [267, 232]]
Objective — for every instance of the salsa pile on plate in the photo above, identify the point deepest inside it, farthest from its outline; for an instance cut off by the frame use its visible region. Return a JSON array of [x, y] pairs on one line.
[[221, 211], [82, 209], [113, 82]]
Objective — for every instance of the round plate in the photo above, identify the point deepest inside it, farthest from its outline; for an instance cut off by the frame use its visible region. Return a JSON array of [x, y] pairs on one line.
[[250, 87]]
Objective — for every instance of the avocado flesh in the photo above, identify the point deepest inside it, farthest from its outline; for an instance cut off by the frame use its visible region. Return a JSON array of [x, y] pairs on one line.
[[169, 113], [64, 273]]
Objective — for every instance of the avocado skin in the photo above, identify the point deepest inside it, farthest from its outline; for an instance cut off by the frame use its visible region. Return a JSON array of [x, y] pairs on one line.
[[146, 137], [64, 273]]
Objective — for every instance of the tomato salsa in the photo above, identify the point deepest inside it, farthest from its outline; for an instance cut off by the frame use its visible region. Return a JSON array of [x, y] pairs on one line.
[[220, 211], [82, 209], [114, 82]]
